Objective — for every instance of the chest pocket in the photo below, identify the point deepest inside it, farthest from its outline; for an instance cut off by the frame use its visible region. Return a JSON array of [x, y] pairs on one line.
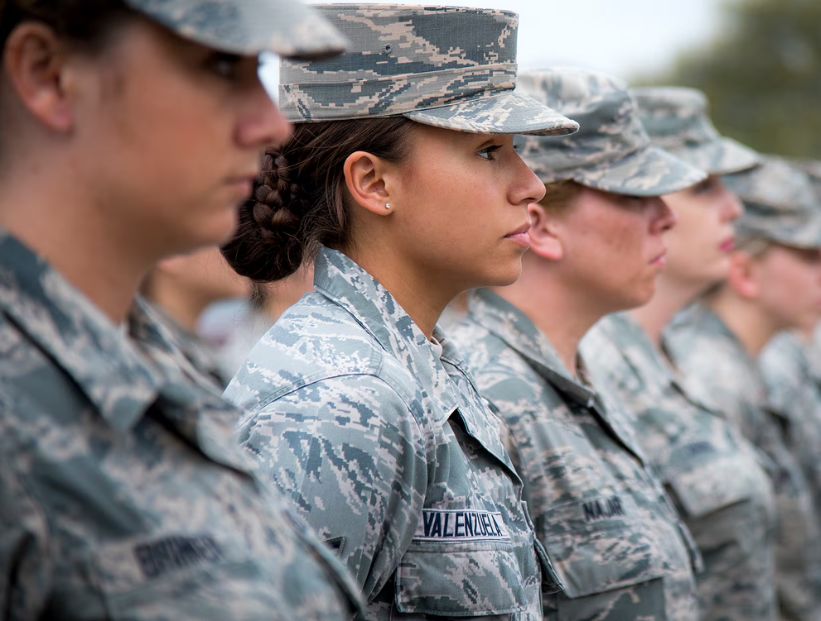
[[609, 562], [491, 578], [725, 501]]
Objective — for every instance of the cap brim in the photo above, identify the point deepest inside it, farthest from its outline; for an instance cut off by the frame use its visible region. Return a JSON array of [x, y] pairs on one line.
[[506, 113], [646, 172], [248, 27], [720, 157]]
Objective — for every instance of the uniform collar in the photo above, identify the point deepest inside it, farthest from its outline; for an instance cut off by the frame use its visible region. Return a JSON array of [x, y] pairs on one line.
[[512, 326], [97, 355], [347, 284]]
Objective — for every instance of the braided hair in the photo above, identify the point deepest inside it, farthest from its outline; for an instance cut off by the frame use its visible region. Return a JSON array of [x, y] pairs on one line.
[[298, 204]]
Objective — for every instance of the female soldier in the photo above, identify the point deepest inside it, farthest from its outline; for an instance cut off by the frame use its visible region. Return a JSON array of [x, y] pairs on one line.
[[712, 472], [774, 284], [130, 131], [359, 408], [596, 247]]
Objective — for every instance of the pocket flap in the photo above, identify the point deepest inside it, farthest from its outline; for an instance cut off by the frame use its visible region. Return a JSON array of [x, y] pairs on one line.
[[465, 579]]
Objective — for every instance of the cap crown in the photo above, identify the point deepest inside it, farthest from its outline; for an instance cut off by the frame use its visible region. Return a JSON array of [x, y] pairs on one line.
[[401, 59], [609, 129], [677, 120], [780, 204]]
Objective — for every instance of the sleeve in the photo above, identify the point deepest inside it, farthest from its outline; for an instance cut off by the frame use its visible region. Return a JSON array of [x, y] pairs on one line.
[[350, 455], [25, 565]]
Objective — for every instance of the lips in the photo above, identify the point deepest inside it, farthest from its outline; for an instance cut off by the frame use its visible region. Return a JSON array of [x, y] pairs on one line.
[[520, 236], [660, 260], [728, 245]]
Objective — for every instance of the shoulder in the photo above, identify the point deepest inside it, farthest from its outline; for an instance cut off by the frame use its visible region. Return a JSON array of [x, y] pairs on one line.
[[317, 347]]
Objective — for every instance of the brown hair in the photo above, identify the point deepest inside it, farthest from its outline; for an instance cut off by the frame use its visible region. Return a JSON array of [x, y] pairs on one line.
[[298, 204], [85, 23], [560, 194]]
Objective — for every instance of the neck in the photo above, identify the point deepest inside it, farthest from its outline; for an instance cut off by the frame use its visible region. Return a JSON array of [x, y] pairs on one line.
[[51, 215], [181, 305], [744, 319], [670, 297], [560, 312]]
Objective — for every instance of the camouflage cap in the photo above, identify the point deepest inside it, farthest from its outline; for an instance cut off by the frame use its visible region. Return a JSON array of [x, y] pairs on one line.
[[449, 67], [780, 204], [611, 152], [676, 119], [813, 169], [247, 27]]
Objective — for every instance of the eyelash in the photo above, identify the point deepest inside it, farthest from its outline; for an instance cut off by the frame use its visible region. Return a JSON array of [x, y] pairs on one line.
[[225, 66], [486, 153]]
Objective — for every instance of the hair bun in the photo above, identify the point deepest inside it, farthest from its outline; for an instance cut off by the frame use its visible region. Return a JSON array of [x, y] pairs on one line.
[[267, 244]]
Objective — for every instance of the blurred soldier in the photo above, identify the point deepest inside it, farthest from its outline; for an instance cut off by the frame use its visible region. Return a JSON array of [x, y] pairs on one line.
[[596, 246], [791, 364], [131, 130], [358, 406], [181, 288], [713, 473], [774, 284]]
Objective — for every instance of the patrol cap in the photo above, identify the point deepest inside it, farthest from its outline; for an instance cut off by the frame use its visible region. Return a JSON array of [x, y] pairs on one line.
[[449, 67], [813, 169], [611, 151], [677, 121], [780, 204], [247, 27]]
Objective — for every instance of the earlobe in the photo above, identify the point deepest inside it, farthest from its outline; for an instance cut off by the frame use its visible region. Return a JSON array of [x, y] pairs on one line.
[[34, 63], [545, 240], [366, 182]]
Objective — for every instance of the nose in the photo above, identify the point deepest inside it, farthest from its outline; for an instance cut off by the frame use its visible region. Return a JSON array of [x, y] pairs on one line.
[[731, 207], [262, 123], [526, 187], [662, 218]]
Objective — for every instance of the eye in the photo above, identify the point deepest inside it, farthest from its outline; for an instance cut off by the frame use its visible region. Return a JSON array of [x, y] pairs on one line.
[[489, 152], [223, 65]]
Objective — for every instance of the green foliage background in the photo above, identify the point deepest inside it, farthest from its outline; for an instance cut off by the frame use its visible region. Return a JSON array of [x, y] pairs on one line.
[[762, 75]]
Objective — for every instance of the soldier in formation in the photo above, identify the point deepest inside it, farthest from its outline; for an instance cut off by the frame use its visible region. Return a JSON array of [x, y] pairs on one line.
[[712, 472], [358, 408], [617, 544]]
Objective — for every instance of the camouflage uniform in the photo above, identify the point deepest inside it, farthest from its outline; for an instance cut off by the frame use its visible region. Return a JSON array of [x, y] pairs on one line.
[[714, 475], [720, 373], [123, 493], [711, 471], [616, 542], [380, 439], [199, 357], [795, 389]]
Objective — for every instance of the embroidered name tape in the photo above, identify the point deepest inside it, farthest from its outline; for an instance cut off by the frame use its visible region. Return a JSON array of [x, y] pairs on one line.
[[461, 525], [178, 552]]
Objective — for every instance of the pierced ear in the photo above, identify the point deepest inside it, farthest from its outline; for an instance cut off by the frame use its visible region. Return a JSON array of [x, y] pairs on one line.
[[366, 177], [34, 62], [743, 275], [544, 233]]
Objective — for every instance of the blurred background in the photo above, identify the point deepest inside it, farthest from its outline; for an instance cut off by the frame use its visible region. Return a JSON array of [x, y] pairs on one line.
[[759, 61]]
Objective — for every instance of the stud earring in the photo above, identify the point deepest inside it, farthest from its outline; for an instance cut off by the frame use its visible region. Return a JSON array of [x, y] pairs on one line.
[[388, 206]]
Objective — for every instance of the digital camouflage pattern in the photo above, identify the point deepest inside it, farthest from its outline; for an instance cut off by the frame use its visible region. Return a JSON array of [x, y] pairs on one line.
[[384, 446], [780, 204], [615, 540], [123, 493], [714, 475], [198, 356], [447, 67], [718, 370], [611, 151], [794, 388], [677, 121], [247, 27]]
